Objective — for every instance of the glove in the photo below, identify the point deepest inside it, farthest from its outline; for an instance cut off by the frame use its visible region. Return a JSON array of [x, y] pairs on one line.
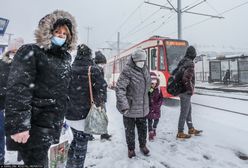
[[124, 112]]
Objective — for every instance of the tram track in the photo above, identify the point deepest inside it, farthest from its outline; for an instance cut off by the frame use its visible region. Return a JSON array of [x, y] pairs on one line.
[[228, 97], [222, 109]]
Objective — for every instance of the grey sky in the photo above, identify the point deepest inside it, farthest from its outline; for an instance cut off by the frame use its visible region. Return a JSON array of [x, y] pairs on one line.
[[106, 16]]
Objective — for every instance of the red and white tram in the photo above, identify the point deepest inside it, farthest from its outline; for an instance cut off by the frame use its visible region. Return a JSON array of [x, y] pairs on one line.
[[163, 56]]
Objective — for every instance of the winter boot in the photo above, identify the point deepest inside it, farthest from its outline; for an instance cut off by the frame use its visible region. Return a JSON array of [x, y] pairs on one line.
[[106, 137], [181, 135], [151, 135], [131, 153], [193, 131], [144, 150]]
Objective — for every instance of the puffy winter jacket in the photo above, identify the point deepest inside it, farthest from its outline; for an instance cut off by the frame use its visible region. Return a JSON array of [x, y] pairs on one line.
[[79, 93], [36, 98], [132, 90]]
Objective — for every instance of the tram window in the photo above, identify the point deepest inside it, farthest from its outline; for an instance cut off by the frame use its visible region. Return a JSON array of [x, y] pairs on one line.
[[153, 59], [161, 56]]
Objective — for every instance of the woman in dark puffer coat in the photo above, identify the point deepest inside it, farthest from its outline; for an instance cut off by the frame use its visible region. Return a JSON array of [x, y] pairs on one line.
[[36, 99]]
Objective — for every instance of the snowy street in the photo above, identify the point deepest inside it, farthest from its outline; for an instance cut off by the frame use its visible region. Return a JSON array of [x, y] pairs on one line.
[[224, 136]]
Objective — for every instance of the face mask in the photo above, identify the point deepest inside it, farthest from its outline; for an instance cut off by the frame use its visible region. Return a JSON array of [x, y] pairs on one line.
[[140, 64], [58, 41], [100, 65]]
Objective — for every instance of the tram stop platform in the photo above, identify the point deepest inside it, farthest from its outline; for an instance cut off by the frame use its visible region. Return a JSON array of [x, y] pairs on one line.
[[219, 86]]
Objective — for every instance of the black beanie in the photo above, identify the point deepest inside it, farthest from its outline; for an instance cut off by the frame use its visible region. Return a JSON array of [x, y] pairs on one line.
[[191, 52], [83, 50], [100, 58], [62, 22]]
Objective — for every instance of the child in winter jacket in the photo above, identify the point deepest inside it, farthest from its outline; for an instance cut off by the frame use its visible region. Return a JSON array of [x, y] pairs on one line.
[[155, 102]]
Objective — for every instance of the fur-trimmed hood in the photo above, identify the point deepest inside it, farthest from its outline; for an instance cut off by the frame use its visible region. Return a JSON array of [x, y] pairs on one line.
[[43, 33]]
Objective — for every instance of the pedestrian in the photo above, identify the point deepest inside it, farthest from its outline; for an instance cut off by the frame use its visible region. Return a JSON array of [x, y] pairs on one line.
[[100, 61], [155, 102], [5, 64], [188, 79], [36, 99], [80, 103], [132, 100]]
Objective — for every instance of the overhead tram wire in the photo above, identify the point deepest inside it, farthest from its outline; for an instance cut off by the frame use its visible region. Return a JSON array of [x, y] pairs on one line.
[[154, 21], [187, 6], [202, 21], [211, 6], [145, 20], [164, 22], [136, 9]]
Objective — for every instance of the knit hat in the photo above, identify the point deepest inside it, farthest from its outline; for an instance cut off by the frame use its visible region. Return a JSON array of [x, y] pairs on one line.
[[139, 55], [100, 58], [191, 52], [84, 50], [15, 44]]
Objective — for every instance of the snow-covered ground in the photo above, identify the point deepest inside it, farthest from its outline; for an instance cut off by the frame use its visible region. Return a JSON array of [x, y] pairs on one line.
[[225, 136]]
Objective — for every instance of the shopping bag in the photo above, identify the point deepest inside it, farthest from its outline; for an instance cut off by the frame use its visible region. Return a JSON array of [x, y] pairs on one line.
[[58, 154], [96, 121]]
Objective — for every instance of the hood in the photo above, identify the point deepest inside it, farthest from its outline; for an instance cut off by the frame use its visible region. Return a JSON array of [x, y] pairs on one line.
[[191, 53], [43, 33]]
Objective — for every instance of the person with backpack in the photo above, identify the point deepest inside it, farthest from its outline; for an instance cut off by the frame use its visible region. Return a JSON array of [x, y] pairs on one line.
[[155, 102], [100, 60], [187, 69], [132, 100]]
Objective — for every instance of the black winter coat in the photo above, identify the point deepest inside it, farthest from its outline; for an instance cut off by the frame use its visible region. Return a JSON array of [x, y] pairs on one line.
[[37, 91], [79, 93], [4, 73], [105, 89]]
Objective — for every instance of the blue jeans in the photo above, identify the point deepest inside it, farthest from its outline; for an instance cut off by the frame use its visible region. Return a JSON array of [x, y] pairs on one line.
[[2, 138]]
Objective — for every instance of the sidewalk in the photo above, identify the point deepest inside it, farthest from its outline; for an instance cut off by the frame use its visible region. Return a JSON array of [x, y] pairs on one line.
[[221, 87]]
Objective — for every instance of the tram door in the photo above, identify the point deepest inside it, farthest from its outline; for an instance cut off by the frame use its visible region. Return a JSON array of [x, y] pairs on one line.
[[152, 58]]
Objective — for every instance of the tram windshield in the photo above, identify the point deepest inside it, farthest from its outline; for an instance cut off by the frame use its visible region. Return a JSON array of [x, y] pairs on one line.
[[175, 51]]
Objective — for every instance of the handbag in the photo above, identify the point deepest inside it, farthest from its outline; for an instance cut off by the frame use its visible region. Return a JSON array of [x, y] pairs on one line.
[[96, 121]]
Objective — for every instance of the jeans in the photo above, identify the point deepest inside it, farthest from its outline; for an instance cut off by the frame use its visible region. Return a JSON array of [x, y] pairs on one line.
[[185, 113], [2, 137]]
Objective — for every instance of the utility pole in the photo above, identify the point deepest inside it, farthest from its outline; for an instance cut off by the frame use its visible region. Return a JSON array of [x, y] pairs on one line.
[[88, 34], [179, 19], [9, 37], [118, 44], [180, 11]]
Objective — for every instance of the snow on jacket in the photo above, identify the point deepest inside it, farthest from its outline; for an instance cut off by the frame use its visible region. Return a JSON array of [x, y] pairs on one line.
[[132, 90], [5, 64], [36, 98], [155, 102], [79, 93]]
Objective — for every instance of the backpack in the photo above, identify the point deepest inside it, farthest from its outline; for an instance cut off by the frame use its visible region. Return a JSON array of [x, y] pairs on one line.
[[175, 85]]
